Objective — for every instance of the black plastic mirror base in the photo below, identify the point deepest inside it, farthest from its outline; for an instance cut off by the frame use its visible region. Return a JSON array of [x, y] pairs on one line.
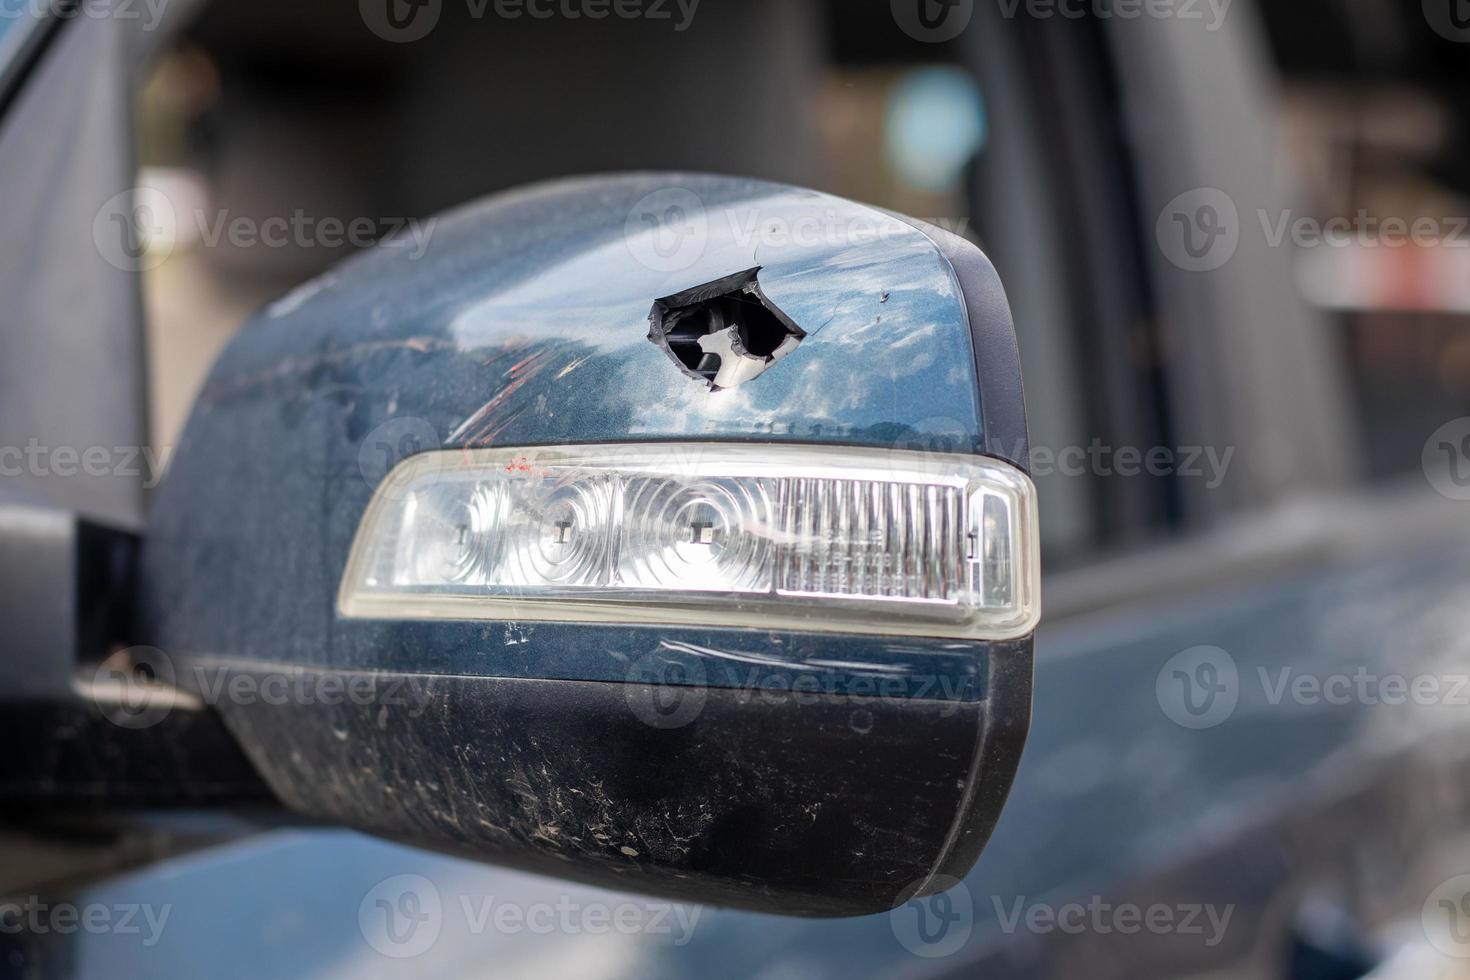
[[774, 801]]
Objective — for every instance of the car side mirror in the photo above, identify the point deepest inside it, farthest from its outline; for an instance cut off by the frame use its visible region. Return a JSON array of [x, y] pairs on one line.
[[670, 533]]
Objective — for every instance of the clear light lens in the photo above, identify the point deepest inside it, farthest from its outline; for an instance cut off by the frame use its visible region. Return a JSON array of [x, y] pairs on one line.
[[798, 537]]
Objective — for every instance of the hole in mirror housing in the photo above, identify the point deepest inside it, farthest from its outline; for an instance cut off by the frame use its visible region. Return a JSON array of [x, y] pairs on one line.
[[725, 332]]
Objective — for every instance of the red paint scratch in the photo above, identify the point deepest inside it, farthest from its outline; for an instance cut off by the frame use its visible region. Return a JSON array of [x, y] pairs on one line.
[[482, 425]]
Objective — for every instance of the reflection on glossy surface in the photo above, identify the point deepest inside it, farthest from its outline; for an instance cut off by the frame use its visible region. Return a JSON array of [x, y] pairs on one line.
[[539, 335]]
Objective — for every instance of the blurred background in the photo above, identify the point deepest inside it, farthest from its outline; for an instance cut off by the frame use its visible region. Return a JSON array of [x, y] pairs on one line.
[[1047, 139]]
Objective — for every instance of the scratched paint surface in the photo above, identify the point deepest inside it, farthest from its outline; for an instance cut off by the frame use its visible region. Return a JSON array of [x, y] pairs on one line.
[[541, 336]]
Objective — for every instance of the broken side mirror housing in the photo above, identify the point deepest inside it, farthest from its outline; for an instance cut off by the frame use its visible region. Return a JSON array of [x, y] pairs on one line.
[[670, 533]]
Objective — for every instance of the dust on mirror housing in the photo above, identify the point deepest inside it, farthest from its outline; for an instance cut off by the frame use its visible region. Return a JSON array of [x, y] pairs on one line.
[[666, 532]]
